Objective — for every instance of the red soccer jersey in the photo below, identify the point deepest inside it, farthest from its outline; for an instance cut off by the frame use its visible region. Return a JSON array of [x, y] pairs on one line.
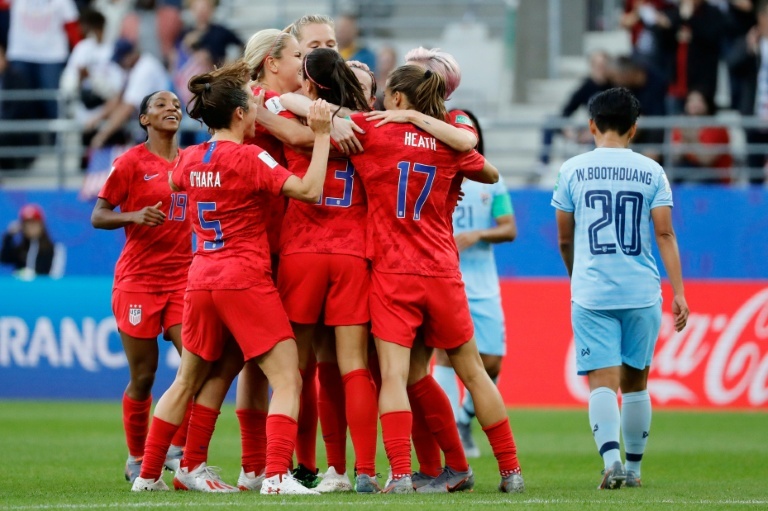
[[274, 147], [154, 259], [407, 175], [459, 119], [336, 224], [230, 187]]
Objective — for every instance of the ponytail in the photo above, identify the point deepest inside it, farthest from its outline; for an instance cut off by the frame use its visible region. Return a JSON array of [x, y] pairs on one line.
[[216, 95], [425, 90]]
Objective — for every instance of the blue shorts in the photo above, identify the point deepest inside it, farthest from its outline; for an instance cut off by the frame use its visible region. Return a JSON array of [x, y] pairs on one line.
[[610, 338], [488, 318]]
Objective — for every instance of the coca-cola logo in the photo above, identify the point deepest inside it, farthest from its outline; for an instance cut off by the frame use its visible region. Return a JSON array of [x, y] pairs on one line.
[[718, 359]]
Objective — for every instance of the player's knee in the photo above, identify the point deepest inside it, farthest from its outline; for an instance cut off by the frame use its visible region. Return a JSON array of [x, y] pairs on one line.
[[492, 366], [142, 382]]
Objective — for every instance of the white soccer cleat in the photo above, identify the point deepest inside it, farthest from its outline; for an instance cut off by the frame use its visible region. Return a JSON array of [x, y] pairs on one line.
[[173, 458], [284, 484], [141, 484], [249, 481], [334, 482], [203, 478]]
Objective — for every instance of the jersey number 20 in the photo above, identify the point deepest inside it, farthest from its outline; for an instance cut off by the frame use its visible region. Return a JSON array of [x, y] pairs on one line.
[[629, 206]]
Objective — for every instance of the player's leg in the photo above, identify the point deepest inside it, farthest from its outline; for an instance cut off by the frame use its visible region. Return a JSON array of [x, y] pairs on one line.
[[194, 472], [446, 377], [306, 443], [640, 330], [425, 443], [597, 340], [172, 332], [251, 406]]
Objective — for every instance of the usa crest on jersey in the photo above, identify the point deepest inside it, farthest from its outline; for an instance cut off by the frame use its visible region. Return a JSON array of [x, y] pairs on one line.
[[134, 314]]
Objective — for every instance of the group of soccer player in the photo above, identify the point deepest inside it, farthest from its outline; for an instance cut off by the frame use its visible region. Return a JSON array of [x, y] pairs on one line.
[[325, 274]]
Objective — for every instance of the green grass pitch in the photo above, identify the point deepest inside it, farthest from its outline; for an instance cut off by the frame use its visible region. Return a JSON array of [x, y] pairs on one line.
[[70, 456]]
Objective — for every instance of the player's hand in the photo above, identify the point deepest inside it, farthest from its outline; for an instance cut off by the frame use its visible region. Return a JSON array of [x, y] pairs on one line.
[[680, 312], [387, 116], [151, 216], [319, 118], [465, 240], [343, 132], [258, 104]]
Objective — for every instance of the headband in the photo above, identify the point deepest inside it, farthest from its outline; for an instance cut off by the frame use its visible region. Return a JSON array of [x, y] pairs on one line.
[[306, 72]]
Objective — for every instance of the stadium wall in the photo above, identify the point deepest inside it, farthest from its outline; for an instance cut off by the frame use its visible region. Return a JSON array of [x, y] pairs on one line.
[[58, 338]]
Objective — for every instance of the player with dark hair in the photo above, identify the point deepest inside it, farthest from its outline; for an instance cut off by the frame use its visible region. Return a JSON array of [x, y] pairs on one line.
[[151, 273], [605, 201], [230, 294], [416, 284]]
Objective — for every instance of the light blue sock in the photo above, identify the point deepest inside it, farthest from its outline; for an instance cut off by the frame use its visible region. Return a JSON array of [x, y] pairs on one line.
[[605, 420], [446, 378], [467, 410], [635, 426]]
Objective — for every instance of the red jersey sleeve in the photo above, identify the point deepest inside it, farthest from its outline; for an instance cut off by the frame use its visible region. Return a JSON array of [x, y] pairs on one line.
[[461, 120], [471, 161], [115, 189], [268, 175]]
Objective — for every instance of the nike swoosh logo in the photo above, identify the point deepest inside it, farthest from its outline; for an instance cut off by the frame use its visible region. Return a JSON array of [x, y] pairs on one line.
[[147, 178]]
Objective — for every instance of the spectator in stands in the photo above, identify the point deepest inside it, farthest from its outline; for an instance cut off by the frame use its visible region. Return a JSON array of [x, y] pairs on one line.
[[653, 36], [749, 59], [348, 39], [597, 81], [205, 35], [740, 17], [145, 74], [701, 28], [12, 79], [28, 247], [4, 22], [386, 62], [650, 89], [710, 149], [156, 24], [39, 38], [90, 74]]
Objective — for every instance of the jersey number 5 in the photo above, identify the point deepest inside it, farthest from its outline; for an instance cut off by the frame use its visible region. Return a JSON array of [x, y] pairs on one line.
[[213, 225], [402, 187], [629, 206]]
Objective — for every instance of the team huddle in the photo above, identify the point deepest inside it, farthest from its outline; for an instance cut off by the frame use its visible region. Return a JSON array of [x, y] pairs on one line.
[[326, 273]]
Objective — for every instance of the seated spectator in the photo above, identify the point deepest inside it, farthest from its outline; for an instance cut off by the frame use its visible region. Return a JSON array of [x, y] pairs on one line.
[[28, 247], [205, 35], [12, 79], [144, 74], [39, 38], [348, 39], [90, 75], [711, 149], [596, 82], [650, 89]]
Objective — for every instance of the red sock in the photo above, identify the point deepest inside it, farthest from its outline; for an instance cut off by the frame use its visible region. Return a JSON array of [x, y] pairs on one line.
[[202, 422], [330, 407], [439, 417], [373, 366], [396, 430], [180, 438], [253, 435], [281, 440], [362, 415], [306, 441], [425, 444], [136, 423], [503, 445], [158, 441]]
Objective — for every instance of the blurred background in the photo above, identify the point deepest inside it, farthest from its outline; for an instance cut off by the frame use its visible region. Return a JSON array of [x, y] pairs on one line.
[[71, 70]]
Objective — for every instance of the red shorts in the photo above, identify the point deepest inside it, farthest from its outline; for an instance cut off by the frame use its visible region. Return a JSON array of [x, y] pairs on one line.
[[332, 285], [146, 315], [254, 317], [400, 304]]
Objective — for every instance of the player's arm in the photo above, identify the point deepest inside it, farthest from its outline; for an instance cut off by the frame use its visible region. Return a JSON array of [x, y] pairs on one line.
[[310, 187], [458, 139], [488, 175], [342, 130], [670, 256], [286, 130], [505, 229], [104, 216], [566, 225]]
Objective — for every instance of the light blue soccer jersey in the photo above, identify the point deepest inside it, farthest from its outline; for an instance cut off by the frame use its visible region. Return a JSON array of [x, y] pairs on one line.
[[611, 193], [481, 205]]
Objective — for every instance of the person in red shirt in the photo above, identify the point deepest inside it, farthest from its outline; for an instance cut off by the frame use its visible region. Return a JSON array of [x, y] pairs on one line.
[[151, 273], [416, 284], [713, 142], [323, 280], [232, 311]]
